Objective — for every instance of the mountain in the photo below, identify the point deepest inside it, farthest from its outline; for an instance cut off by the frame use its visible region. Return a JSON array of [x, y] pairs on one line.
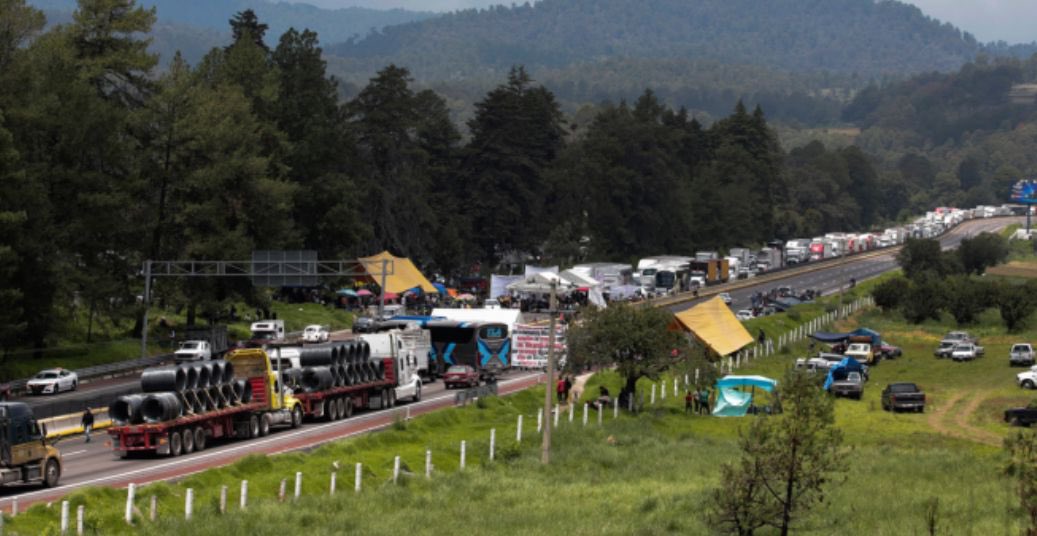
[[841, 36], [195, 26]]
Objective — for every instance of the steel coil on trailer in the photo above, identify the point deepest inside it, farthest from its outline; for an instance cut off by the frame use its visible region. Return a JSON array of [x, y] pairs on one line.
[[159, 407], [291, 377], [227, 391], [126, 410], [365, 350], [185, 402], [192, 376], [205, 402], [316, 379], [243, 391], [160, 380], [204, 374], [343, 376], [216, 394], [216, 372], [228, 371], [381, 370], [316, 356]]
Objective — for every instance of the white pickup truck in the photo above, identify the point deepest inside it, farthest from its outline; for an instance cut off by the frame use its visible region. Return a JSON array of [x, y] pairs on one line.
[[966, 352], [193, 351]]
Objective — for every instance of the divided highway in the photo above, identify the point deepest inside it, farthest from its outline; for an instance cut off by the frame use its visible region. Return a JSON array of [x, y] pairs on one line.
[[94, 464]]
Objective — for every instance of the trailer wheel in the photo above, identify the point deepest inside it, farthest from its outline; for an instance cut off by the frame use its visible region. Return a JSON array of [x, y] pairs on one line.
[[296, 416], [349, 407], [331, 409], [188, 441], [417, 392], [253, 427], [264, 425], [51, 474], [199, 439], [175, 446], [340, 406]]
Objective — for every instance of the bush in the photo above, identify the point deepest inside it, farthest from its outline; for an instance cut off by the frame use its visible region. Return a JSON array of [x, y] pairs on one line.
[[889, 293], [924, 299]]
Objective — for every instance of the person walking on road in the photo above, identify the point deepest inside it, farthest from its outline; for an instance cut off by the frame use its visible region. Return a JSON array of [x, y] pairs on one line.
[[560, 390], [88, 423]]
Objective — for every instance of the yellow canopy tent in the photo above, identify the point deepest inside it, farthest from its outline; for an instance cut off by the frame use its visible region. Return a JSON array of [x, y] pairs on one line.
[[713, 323], [400, 274]]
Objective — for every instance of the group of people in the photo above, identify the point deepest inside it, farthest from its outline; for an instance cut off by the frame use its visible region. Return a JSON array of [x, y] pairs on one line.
[[697, 401], [563, 389]]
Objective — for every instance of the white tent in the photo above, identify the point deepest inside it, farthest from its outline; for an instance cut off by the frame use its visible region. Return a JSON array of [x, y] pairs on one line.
[[579, 280], [540, 283]]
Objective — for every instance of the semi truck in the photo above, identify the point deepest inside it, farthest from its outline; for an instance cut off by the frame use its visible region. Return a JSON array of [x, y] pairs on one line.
[[25, 455], [272, 405], [267, 331], [712, 271]]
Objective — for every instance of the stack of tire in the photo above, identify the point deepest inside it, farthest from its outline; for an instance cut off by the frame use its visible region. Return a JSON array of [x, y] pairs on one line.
[[179, 390], [339, 364]]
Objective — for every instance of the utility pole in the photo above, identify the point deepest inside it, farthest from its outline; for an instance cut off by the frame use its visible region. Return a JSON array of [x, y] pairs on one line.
[[147, 303], [545, 454]]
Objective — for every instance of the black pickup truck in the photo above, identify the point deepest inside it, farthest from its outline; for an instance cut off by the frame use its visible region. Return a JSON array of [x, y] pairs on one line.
[[1021, 416], [903, 396]]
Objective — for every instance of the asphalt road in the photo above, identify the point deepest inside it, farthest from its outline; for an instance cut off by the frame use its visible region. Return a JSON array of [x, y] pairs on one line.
[[94, 464]]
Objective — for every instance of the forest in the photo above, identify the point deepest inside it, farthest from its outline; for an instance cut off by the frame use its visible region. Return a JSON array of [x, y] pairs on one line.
[[106, 162]]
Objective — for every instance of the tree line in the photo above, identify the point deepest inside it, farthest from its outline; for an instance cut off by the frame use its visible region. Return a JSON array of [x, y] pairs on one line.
[[106, 162]]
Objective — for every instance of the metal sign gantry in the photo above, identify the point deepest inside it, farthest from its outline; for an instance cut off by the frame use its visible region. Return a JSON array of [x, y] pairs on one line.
[[253, 269]]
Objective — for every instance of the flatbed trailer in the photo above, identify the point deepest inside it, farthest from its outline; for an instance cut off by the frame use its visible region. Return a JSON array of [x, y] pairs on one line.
[[339, 402]]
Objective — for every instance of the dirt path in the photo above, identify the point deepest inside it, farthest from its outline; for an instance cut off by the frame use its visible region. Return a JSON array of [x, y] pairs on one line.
[[961, 428]]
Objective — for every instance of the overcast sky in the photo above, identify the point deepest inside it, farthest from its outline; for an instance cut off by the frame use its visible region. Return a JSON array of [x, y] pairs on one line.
[[1014, 21]]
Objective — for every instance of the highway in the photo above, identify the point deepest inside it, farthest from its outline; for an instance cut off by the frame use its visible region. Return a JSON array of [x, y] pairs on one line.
[[94, 464]]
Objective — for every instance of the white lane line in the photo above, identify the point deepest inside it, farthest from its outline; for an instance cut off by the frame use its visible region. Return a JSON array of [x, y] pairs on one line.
[[247, 445], [73, 453]]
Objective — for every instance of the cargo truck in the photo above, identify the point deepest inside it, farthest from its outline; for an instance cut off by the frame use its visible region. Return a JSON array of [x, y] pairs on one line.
[[272, 404], [712, 271], [25, 455]]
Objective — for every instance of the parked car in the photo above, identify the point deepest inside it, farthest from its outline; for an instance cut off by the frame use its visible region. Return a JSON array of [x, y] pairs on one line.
[[889, 351], [903, 396], [852, 386], [966, 352], [461, 376], [1028, 379], [193, 351], [860, 351], [315, 333], [944, 349], [1021, 354], [1024, 416], [363, 324], [726, 297], [960, 336], [52, 381], [744, 314]]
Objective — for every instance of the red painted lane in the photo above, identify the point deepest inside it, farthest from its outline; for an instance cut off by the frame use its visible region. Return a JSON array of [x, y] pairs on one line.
[[372, 422]]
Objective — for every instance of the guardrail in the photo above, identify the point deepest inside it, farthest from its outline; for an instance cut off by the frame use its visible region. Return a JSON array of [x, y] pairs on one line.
[[461, 398]]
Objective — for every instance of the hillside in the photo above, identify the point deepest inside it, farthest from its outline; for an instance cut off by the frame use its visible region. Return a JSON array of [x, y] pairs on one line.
[[841, 36]]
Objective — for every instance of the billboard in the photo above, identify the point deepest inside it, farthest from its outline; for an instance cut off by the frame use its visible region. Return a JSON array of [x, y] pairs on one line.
[[1025, 191], [529, 345]]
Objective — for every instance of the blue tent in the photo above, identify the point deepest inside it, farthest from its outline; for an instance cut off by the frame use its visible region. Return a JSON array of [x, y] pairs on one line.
[[833, 338], [734, 403], [840, 370], [441, 288]]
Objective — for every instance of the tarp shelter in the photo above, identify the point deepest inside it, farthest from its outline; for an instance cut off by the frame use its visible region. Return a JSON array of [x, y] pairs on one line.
[[540, 283], [400, 275], [839, 371], [713, 323], [734, 403]]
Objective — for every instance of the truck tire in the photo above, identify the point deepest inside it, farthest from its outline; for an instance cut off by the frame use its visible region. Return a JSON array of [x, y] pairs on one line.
[[188, 440], [340, 406], [296, 416], [264, 425], [1028, 384], [331, 409], [176, 448], [51, 474], [199, 439], [1015, 422], [253, 427], [349, 407], [417, 392]]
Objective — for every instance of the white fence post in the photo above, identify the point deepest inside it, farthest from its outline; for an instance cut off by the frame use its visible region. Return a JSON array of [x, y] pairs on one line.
[[80, 514], [358, 478], [601, 409], [153, 510], [518, 430], [653, 394], [428, 463], [464, 446], [223, 499], [282, 490], [64, 517], [696, 376], [131, 490], [298, 484], [189, 504], [244, 494], [615, 408], [395, 469], [585, 414], [675, 386], [662, 387], [557, 412], [493, 442], [738, 359], [540, 420], [571, 411], [331, 485]]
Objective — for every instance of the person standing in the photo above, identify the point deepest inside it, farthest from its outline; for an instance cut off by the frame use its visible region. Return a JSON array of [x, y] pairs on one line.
[[690, 403], [568, 387], [88, 423], [560, 390], [704, 401]]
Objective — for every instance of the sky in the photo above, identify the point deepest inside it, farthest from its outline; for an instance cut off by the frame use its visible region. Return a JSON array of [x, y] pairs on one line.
[[1014, 21]]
